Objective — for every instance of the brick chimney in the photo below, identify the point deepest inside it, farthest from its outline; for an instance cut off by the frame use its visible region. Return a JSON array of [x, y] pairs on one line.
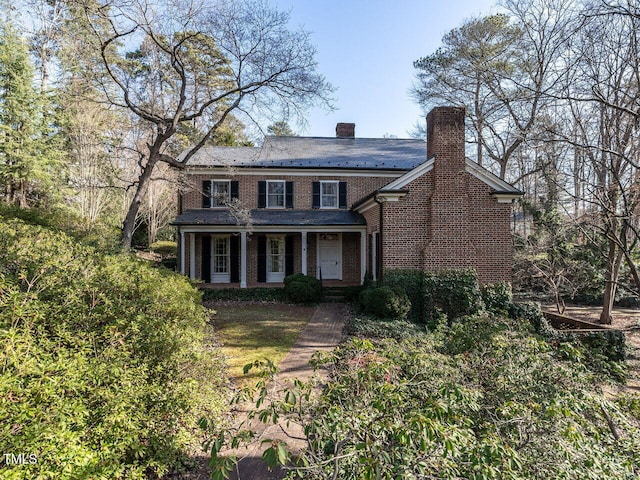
[[449, 227], [346, 130]]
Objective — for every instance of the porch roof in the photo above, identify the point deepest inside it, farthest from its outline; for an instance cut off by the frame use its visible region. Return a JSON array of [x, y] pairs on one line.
[[284, 217]]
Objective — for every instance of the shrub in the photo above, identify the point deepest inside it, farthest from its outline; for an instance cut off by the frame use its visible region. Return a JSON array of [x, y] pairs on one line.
[[385, 302], [497, 296], [300, 288], [165, 248], [412, 282], [106, 361], [454, 292]]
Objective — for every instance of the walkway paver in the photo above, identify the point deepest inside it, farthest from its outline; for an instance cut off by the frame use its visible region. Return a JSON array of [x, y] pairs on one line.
[[322, 333]]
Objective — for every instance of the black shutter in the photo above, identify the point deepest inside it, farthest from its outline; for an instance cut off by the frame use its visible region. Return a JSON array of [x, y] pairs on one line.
[[234, 258], [316, 194], [206, 259], [235, 190], [288, 255], [262, 194], [289, 194], [342, 189], [206, 194], [262, 259]]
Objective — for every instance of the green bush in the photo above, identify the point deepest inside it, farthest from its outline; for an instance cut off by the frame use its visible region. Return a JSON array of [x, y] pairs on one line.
[[454, 293], [165, 248], [412, 282], [500, 405], [107, 364], [385, 302], [300, 288], [497, 296]]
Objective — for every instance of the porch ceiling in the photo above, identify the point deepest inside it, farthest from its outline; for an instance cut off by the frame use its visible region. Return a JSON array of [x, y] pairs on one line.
[[284, 217]]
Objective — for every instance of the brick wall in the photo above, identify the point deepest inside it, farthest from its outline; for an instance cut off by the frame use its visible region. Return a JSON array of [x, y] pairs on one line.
[[448, 220]]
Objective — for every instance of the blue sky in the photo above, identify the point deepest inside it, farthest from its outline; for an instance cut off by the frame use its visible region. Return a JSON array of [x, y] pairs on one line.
[[366, 49]]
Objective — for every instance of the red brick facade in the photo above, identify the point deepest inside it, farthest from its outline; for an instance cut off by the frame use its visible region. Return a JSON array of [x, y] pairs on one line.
[[445, 217]]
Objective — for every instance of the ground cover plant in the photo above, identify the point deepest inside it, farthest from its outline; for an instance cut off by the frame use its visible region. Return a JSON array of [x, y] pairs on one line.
[[479, 397], [250, 332], [106, 361]]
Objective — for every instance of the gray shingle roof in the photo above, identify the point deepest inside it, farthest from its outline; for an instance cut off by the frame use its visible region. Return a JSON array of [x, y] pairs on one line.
[[317, 152], [272, 217]]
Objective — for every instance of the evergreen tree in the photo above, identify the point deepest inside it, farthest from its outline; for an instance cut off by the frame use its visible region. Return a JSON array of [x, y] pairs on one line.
[[28, 153]]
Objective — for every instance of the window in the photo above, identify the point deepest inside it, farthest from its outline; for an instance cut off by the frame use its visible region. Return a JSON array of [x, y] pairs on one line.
[[275, 193], [220, 260], [328, 194], [220, 193], [275, 259]]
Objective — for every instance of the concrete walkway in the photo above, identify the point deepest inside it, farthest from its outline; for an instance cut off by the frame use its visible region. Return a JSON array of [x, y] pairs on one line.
[[323, 333]]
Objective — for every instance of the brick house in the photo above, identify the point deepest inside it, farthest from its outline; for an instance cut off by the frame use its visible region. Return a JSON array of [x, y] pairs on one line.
[[339, 207]]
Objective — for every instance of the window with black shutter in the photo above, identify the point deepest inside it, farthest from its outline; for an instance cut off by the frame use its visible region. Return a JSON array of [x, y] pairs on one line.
[[343, 194], [289, 194], [316, 194], [206, 194], [262, 194]]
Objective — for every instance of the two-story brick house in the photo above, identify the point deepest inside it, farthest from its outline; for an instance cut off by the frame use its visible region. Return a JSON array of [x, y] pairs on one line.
[[338, 207]]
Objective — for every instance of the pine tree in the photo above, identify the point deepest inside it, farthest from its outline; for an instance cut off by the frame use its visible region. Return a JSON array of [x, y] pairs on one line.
[[28, 154]]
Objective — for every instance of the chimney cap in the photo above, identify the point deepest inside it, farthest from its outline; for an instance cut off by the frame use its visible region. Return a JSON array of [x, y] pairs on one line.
[[345, 130]]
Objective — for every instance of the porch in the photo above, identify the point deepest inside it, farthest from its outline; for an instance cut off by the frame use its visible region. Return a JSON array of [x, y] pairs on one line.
[[330, 247]]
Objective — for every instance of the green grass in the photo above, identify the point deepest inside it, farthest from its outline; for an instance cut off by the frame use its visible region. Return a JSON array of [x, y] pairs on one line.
[[255, 332]]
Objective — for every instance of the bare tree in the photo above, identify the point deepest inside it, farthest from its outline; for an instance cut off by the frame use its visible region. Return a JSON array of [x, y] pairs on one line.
[[197, 64]]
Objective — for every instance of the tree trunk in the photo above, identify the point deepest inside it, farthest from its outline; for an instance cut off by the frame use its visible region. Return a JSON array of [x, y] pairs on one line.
[[129, 224], [611, 281]]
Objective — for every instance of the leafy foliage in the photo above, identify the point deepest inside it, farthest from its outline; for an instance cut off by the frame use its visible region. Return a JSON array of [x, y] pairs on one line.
[[385, 302], [481, 399], [106, 363], [300, 288], [452, 292], [496, 296]]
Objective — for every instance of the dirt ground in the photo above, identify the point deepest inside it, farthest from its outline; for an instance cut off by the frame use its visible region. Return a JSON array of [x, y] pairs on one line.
[[625, 319]]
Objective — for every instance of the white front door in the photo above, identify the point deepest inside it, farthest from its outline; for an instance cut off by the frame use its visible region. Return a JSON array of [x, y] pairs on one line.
[[330, 256]]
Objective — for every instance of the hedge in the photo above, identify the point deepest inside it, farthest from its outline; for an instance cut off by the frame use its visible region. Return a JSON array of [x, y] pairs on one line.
[[452, 292]]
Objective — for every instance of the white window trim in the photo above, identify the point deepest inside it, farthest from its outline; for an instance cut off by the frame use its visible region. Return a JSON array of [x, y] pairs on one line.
[[226, 276], [276, 277], [212, 194], [337, 184], [284, 194]]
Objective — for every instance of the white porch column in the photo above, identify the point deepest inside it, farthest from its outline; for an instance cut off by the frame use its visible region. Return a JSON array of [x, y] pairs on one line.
[[243, 259], [363, 255], [304, 252], [192, 256], [182, 254]]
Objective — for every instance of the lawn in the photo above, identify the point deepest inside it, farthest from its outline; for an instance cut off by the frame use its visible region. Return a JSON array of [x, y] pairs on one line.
[[250, 332]]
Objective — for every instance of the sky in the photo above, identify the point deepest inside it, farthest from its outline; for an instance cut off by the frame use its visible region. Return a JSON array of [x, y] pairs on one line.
[[366, 49]]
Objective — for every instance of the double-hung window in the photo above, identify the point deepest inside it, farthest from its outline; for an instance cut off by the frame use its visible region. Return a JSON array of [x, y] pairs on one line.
[[275, 193], [220, 259], [328, 194], [220, 193]]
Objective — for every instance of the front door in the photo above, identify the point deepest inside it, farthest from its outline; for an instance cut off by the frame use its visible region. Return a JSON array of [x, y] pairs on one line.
[[330, 256]]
